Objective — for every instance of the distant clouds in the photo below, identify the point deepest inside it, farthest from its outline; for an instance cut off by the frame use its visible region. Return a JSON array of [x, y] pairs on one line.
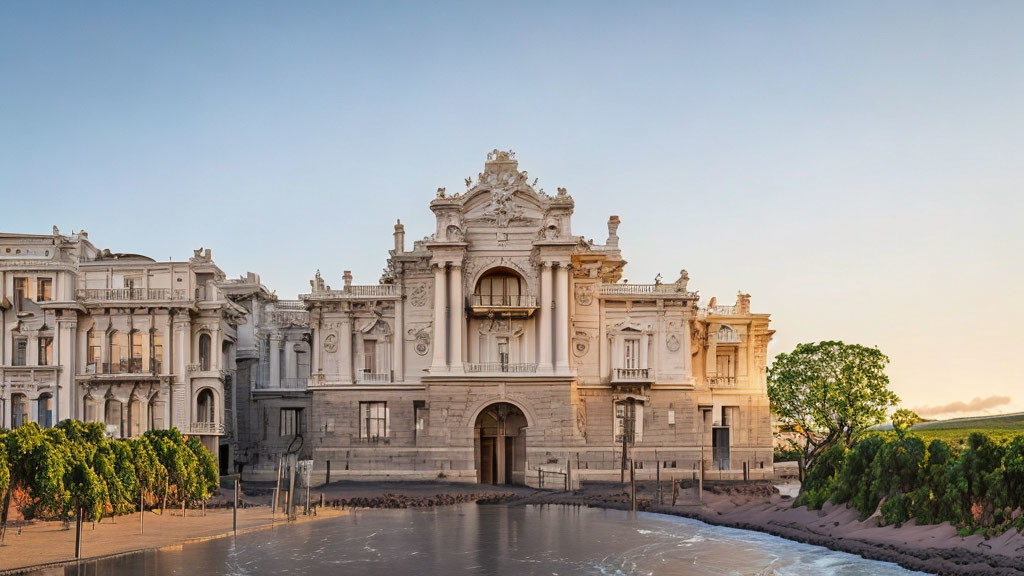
[[975, 405]]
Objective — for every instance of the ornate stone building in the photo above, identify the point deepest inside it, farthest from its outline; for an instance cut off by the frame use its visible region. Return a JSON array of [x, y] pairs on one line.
[[503, 342], [114, 338], [499, 345]]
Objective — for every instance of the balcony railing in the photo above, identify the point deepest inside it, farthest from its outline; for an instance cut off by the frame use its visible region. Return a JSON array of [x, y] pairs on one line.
[[126, 366], [722, 381], [504, 301], [721, 310], [630, 374], [131, 294], [355, 291], [207, 428], [294, 383], [644, 289], [502, 367], [373, 377]]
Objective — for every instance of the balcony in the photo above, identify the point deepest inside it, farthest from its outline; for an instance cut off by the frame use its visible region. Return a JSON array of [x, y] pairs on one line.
[[208, 428], [504, 305], [660, 290], [373, 377], [94, 295], [631, 375], [355, 292], [722, 381], [131, 367], [500, 368]]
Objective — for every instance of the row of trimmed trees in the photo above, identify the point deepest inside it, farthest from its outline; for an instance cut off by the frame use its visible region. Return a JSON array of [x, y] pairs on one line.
[[975, 486], [74, 466]]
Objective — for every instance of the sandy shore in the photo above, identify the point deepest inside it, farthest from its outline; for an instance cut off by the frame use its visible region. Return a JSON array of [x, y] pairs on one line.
[[756, 506]]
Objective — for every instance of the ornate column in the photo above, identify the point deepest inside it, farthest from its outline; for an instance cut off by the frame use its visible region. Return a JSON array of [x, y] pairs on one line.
[[562, 319], [345, 346], [544, 331], [314, 344], [456, 325], [275, 360], [398, 340], [64, 356], [439, 363]]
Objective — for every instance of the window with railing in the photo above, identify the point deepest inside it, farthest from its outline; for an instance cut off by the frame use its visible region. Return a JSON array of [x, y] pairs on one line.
[[205, 407], [94, 352], [156, 354], [117, 346], [501, 287]]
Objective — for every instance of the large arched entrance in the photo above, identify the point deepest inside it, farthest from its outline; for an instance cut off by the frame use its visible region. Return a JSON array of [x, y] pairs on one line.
[[500, 438]]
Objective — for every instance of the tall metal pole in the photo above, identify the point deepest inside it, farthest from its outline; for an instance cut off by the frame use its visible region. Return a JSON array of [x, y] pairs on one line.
[[234, 511], [78, 534], [291, 485], [142, 512]]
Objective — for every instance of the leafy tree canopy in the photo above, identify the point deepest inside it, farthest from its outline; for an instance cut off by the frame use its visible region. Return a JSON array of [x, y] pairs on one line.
[[829, 393]]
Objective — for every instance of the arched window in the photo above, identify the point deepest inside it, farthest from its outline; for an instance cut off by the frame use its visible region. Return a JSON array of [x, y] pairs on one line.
[[113, 417], [19, 410], [500, 287], [156, 352], [45, 410], [94, 354], [204, 406], [118, 346], [204, 352], [135, 340], [156, 414]]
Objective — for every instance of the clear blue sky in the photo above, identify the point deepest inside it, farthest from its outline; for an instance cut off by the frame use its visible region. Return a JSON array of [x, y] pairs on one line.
[[857, 166]]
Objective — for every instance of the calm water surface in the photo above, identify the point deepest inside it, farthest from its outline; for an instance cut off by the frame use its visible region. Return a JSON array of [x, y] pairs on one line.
[[520, 540]]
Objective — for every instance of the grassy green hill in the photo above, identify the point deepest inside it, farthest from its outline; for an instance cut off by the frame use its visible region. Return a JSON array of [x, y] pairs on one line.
[[957, 429]]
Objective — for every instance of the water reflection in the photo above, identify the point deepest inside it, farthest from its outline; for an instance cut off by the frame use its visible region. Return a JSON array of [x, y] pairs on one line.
[[541, 540]]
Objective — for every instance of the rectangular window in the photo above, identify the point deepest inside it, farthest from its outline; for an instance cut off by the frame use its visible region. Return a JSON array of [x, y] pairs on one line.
[[20, 290], [156, 343], [291, 421], [419, 415], [373, 420], [370, 357], [20, 351], [44, 289], [503, 353], [632, 359], [135, 363], [94, 353], [725, 366], [45, 351]]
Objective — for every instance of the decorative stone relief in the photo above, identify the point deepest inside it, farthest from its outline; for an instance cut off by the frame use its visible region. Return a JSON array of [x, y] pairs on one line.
[[421, 338], [584, 294], [672, 343], [419, 295], [581, 344], [331, 343]]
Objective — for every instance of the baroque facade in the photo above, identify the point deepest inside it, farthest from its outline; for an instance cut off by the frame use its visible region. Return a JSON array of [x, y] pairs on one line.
[[502, 343], [499, 345]]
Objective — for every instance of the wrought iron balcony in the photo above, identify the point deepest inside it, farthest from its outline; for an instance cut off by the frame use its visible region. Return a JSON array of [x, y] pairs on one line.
[[503, 304], [132, 294], [501, 367], [209, 428], [631, 375]]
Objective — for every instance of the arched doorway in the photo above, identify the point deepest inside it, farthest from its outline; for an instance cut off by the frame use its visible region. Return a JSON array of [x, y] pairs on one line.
[[500, 438]]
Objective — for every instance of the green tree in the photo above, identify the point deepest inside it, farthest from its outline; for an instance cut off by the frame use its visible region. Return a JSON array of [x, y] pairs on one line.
[[829, 393], [903, 420]]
